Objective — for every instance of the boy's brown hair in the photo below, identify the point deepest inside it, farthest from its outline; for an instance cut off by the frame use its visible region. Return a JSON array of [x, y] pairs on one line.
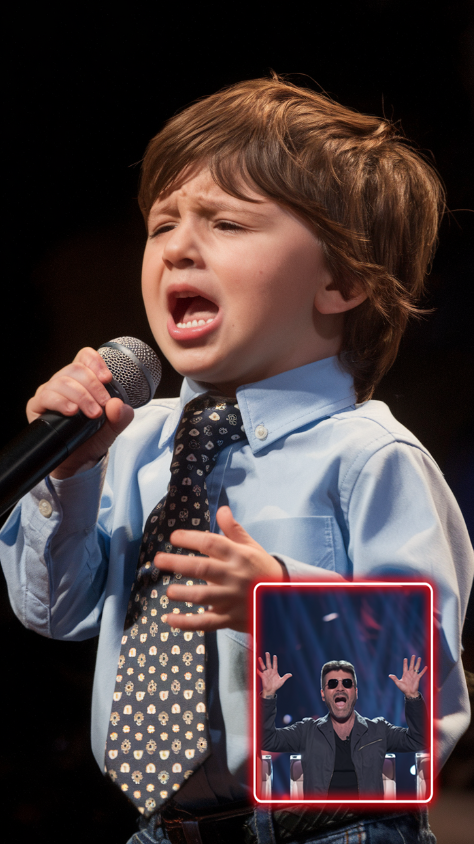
[[372, 201]]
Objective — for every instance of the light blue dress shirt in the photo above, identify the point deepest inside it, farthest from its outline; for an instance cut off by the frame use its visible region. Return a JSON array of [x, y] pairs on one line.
[[322, 483]]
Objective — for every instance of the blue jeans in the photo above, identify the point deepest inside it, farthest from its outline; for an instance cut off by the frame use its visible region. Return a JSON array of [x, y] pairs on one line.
[[393, 828]]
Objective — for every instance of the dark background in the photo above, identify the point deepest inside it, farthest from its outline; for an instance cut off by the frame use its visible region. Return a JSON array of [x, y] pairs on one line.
[[83, 93]]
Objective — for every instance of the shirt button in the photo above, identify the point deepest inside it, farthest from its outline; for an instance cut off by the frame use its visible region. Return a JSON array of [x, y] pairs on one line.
[[45, 508], [261, 432]]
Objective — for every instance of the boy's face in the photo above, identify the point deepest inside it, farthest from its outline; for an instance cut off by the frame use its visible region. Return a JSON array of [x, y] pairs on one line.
[[229, 286]]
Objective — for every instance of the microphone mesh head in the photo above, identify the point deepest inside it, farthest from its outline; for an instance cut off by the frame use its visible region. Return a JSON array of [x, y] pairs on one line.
[[138, 377]]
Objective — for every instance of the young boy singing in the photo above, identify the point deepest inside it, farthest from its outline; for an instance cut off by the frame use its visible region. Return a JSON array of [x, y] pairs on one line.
[[288, 241]]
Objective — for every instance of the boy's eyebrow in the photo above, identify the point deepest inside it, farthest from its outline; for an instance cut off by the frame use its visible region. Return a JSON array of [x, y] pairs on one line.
[[169, 205], [218, 205]]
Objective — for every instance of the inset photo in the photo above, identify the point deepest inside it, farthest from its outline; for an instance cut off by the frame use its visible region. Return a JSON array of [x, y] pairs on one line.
[[343, 702]]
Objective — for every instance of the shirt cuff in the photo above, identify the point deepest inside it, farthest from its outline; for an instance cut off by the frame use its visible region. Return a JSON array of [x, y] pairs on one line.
[[295, 570], [286, 576], [75, 500]]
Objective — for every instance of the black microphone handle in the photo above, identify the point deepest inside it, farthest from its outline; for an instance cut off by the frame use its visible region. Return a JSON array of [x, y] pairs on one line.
[[39, 449]]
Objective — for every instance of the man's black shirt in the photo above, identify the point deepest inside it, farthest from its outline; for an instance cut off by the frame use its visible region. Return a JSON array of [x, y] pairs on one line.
[[344, 777]]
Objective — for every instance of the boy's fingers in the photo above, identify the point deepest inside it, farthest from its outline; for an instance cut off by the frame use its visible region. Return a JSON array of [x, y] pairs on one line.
[[213, 544], [90, 358], [200, 568], [202, 621], [209, 544], [91, 381], [65, 394], [119, 415], [76, 386], [199, 594], [232, 529]]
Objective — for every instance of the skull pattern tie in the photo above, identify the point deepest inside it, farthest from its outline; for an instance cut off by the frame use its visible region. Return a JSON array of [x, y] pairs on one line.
[[159, 732]]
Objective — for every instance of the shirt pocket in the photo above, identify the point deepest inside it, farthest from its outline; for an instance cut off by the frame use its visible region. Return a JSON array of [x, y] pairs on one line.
[[308, 539]]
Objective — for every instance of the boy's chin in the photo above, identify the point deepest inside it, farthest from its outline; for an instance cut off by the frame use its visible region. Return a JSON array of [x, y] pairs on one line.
[[189, 363], [210, 380], [227, 389]]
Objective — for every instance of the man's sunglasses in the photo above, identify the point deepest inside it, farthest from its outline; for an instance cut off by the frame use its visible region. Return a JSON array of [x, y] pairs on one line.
[[347, 683]]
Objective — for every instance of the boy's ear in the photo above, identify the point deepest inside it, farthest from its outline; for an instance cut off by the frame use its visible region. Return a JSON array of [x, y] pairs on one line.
[[329, 299]]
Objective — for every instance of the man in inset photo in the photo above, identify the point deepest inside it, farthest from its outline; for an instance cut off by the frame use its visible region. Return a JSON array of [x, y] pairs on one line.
[[343, 753]]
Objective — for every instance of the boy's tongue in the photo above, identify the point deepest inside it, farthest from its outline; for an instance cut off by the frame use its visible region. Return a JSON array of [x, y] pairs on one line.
[[197, 307]]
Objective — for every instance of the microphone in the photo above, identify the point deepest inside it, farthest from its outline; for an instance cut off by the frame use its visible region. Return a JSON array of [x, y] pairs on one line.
[[52, 437]]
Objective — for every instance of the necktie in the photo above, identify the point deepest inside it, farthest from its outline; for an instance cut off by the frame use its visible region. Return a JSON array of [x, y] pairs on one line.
[[159, 733]]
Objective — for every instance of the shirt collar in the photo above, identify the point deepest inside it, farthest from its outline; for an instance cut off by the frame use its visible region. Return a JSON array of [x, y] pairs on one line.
[[311, 392]]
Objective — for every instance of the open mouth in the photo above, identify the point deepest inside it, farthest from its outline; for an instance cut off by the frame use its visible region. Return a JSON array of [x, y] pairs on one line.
[[193, 311], [340, 699]]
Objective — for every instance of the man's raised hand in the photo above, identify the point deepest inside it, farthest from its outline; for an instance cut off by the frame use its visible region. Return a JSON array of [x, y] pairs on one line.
[[410, 679], [271, 680]]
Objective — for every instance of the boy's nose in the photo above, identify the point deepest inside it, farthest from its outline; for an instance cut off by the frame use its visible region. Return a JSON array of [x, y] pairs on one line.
[[181, 249]]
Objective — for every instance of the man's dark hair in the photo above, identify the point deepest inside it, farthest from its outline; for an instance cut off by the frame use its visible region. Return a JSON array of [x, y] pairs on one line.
[[338, 665]]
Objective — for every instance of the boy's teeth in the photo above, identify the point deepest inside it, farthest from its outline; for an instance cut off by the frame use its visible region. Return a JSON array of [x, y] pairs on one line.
[[194, 311], [194, 323]]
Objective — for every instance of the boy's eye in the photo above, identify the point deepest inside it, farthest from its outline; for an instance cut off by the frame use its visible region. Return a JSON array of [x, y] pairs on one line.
[[162, 229], [227, 225]]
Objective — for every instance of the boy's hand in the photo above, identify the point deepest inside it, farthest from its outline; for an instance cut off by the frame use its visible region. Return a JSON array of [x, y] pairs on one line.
[[80, 386], [233, 563]]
